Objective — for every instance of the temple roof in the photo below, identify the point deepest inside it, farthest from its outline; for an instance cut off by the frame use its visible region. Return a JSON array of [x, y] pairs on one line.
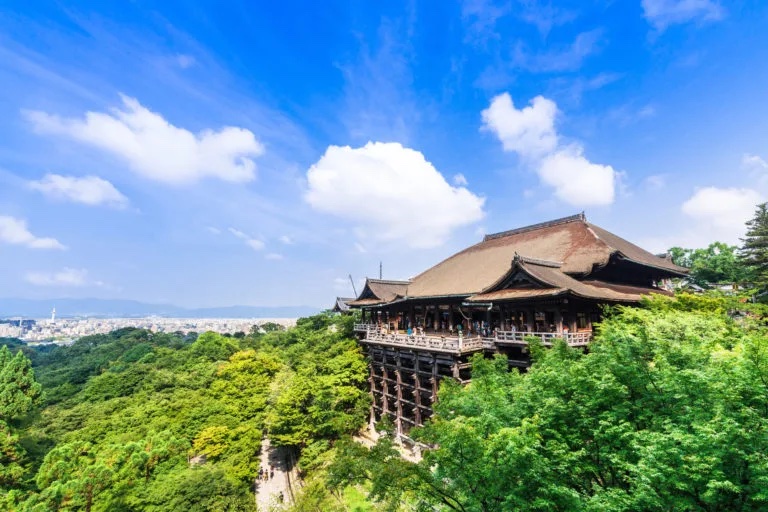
[[576, 246], [377, 291], [547, 279], [342, 304]]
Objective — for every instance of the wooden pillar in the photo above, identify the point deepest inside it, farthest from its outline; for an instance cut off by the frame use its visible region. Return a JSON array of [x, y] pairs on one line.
[[399, 388], [503, 320], [530, 319], [411, 319], [384, 387], [558, 320], [417, 389], [372, 380], [435, 378]]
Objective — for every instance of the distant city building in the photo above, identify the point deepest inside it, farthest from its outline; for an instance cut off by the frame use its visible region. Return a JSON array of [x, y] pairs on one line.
[[67, 330]]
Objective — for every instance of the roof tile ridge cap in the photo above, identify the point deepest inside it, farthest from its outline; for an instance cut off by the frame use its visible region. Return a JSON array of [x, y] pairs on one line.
[[539, 225], [393, 281], [537, 261]]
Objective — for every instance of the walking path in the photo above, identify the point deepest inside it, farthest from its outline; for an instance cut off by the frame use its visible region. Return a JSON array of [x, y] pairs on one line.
[[268, 492]]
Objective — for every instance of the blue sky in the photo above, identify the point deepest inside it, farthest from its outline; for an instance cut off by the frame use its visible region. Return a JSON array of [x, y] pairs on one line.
[[205, 153]]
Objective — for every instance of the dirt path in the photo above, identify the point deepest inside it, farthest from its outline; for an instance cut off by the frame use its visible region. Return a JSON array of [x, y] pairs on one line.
[[268, 492]]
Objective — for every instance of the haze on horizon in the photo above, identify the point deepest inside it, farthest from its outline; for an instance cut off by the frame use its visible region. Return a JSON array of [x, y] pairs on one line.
[[259, 153]]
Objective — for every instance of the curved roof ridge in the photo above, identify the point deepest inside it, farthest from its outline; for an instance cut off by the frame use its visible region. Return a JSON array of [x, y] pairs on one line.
[[564, 220], [388, 281], [537, 261]]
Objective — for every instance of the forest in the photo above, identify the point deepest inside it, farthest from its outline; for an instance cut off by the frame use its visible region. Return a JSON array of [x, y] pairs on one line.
[[111, 422], [667, 410]]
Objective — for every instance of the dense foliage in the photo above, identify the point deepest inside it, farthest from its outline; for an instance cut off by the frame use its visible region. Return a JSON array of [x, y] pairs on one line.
[[125, 412], [718, 263], [667, 411]]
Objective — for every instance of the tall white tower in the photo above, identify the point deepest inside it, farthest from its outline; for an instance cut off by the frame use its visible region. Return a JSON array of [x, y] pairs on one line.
[[53, 315]]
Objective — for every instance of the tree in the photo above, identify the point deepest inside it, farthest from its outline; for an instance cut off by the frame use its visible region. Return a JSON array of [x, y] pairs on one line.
[[74, 475], [754, 252], [19, 391], [718, 263], [667, 411]]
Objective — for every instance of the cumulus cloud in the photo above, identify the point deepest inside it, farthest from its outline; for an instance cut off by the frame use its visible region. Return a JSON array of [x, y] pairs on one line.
[[663, 13], [65, 277], [251, 242], [90, 190], [725, 209], [212, 230], [391, 192], [754, 162], [286, 240], [273, 256], [576, 180], [156, 149], [530, 132], [14, 231]]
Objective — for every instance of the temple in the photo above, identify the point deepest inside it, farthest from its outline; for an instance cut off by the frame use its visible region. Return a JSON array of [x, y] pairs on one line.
[[548, 280]]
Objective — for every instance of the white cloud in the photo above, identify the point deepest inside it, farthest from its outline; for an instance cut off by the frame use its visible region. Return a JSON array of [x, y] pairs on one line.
[[66, 277], [14, 231], [156, 149], [754, 162], [655, 181], [90, 190], [273, 256], [360, 248], [251, 242], [212, 230], [460, 180], [238, 233], [725, 209], [576, 180], [286, 240], [254, 244], [391, 192], [663, 13], [529, 131]]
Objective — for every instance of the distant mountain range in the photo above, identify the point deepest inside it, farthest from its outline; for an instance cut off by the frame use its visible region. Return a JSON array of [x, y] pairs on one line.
[[115, 308]]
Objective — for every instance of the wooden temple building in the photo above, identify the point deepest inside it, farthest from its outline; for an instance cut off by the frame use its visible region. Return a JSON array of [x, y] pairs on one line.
[[547, 280]]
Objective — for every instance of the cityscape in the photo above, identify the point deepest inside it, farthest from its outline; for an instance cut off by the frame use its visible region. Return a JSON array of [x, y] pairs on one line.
[[65, 331]]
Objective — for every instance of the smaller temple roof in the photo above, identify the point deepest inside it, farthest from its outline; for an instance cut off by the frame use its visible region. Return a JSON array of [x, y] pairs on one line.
[[378, 291], [342, 304]]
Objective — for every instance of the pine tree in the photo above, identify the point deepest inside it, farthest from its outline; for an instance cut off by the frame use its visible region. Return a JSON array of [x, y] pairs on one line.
[[754, 252], [19, 391]]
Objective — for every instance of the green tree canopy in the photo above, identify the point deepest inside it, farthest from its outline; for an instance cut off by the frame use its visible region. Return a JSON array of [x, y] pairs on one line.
[[19, 391], [667, 411], [718, 263]]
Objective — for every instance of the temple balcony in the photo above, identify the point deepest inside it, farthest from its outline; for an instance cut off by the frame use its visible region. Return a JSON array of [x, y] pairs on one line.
[[466, 344]]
